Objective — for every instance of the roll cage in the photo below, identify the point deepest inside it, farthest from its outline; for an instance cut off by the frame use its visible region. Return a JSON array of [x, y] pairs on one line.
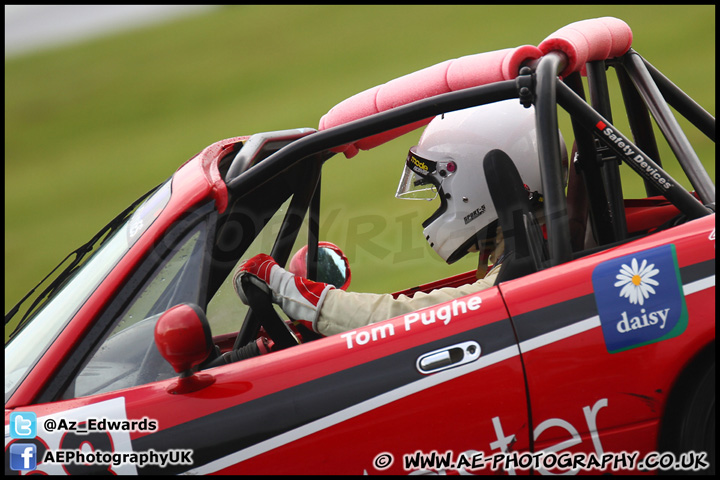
[[594, 195], [639, 81]]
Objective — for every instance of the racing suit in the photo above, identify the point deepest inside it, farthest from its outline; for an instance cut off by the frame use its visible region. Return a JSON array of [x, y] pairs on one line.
[[329, 310], [342, 311]]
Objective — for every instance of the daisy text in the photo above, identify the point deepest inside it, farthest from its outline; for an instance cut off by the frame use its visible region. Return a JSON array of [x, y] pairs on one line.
[[644, 320]]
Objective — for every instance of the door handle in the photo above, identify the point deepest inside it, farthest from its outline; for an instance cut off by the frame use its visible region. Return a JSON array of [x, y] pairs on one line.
[[447, 357]]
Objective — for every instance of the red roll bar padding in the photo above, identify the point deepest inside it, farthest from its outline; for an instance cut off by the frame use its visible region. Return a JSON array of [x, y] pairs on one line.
[[589, 40], [584, 41], [448, 76]]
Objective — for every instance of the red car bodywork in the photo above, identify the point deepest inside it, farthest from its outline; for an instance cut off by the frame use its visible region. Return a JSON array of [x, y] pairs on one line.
[[618, 397]]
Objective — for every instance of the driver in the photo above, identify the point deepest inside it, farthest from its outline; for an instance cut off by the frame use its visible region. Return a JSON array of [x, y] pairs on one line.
[[446, 163]]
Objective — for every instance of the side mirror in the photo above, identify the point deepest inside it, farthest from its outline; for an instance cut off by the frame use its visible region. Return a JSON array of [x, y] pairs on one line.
[[333, 266], [182, 335]]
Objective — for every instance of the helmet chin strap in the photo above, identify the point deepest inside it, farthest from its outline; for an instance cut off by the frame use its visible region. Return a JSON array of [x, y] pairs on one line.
[[483, 263], [493, 249], [487, 247]]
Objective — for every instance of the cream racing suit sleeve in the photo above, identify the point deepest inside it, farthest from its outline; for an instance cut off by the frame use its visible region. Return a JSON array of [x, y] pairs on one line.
[[343, 311]]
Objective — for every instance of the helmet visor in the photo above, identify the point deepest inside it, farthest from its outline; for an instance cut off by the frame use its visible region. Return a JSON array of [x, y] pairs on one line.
[[418, 181]]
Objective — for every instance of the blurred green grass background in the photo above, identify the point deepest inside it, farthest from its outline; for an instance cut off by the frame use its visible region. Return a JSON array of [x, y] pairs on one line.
[[90, 127]]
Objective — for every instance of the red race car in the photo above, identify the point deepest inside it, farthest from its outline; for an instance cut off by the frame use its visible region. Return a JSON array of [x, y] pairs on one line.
[[594, 351]]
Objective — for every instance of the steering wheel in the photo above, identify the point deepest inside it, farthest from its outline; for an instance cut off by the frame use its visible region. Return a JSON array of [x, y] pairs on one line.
[[263, 314]]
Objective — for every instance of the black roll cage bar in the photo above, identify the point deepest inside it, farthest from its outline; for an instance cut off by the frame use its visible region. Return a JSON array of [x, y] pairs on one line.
[[643, 88]]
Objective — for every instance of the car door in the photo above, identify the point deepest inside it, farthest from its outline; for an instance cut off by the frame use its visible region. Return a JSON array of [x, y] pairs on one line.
[[601, 366], [427, 391], [378, 399]]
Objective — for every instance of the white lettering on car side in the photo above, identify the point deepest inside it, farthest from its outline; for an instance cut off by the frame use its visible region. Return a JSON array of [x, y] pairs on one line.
[[412, 321]]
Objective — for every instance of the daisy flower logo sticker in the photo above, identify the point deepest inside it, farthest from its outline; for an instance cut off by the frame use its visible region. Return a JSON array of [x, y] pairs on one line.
[[637, 282], [639, 298]]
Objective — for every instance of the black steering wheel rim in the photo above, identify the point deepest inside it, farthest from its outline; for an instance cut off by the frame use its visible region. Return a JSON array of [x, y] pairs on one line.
[[262, 313]]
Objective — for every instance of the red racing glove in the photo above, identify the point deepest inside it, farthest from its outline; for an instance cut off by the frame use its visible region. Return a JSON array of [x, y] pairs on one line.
[[300, 298]]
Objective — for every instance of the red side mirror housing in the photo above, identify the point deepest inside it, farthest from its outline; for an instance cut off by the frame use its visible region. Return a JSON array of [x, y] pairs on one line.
[[182, 335]]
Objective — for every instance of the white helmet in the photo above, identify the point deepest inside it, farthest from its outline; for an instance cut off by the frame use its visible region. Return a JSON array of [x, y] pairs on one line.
[[449, 160]]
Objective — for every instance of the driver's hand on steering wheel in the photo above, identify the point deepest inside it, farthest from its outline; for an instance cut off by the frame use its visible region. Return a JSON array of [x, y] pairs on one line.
[[300, 298]]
